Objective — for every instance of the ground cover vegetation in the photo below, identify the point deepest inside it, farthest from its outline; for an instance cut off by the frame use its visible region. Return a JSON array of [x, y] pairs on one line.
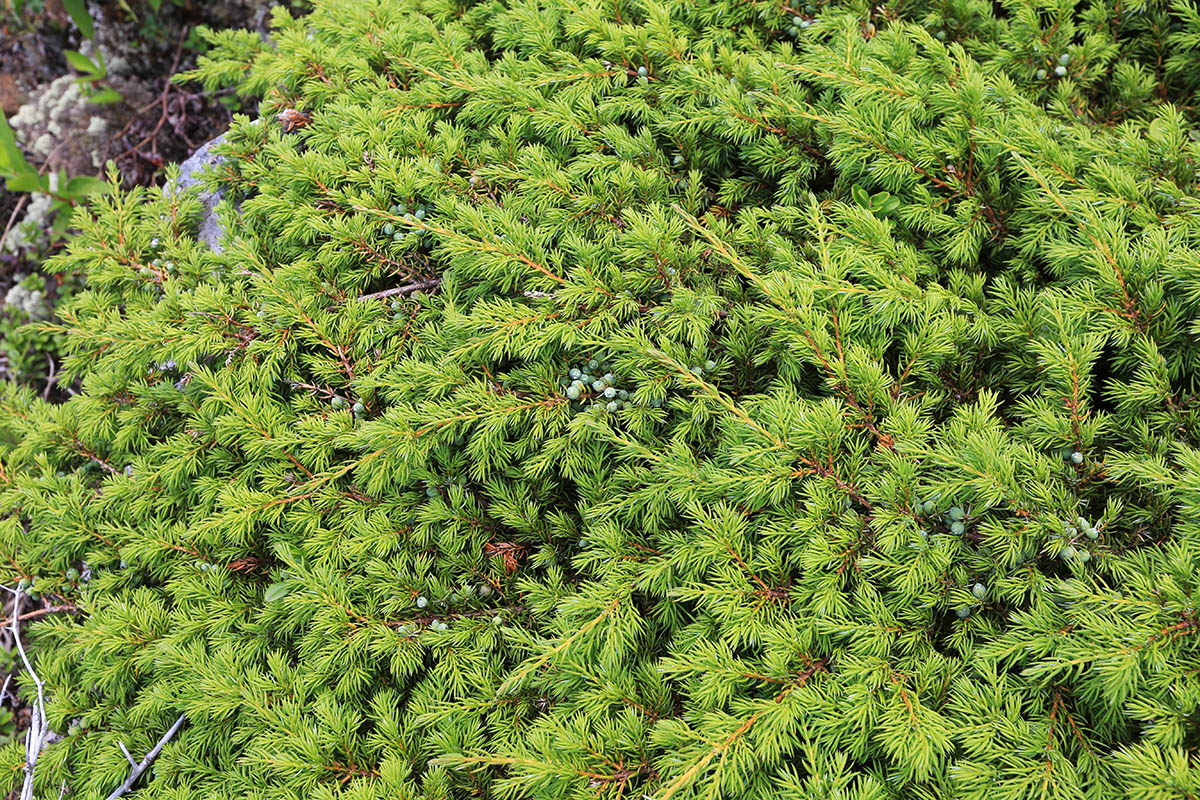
[[81, 84], [711, 399]]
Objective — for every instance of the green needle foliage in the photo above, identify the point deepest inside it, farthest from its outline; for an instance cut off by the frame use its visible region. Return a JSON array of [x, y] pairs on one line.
[[555, 423]]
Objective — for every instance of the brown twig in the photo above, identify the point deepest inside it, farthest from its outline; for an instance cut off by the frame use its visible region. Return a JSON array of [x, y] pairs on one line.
[[82, 449], [12, 218], [41, 612], [152, 137]]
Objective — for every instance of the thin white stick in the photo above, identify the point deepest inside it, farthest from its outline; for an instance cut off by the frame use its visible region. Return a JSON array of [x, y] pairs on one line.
[[148, 760], [124, 750], [36, 738]]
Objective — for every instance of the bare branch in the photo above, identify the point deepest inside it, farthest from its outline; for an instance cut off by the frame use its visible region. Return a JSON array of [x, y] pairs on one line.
[[38, 730], [41, 612], [407, 288], [12, 219], [50, 377], [128, 757], [138, 769]]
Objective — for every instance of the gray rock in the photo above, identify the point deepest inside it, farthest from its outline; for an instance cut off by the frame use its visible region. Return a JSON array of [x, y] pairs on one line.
[[210, 231]]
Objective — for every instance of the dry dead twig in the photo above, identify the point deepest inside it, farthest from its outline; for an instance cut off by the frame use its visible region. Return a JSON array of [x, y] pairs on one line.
[[407, 288], [145, 763], [38, 734]]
